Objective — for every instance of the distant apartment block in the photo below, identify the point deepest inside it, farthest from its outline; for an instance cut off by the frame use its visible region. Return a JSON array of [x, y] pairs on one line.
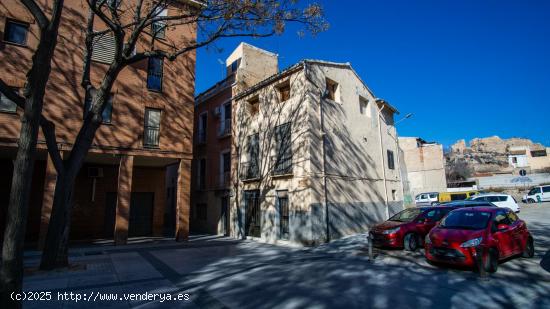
[[535, 159], [423, 167]]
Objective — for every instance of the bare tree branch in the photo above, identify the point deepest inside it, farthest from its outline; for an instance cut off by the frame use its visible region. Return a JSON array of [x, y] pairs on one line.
[[41, 18]]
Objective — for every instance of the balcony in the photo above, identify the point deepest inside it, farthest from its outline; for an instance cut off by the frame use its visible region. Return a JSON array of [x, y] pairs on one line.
[[281, 165], [224, 128], [249, 171], [224, 180], [151, 136]]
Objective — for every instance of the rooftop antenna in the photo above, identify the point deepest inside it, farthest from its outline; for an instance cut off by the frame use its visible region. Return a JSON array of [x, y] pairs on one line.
[[222, 64]]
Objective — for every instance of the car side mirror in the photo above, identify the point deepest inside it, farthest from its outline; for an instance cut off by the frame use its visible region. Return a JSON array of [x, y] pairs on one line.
[[502, 227]]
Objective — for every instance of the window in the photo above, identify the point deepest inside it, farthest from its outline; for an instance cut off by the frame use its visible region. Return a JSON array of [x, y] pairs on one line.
[[514, 159], [158, 28], [545, 189], [7, 105], [538, 153], [282, 202], [363, 104], [201, 181], [113, 3], [154, 74], [151, 134], [106, 115], [254, 105], [391, 164], [394, 194], [103, 48], [331, 90], [534, 191], [225, 167], [235, 65], [284, 91], [512, 217], [225, 122], [203, 118], [201, 211], [16, 32], [282, 163], [250, 169]]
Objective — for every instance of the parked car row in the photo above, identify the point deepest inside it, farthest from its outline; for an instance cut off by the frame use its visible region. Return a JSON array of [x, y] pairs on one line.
[[458, 233], [434, 198]]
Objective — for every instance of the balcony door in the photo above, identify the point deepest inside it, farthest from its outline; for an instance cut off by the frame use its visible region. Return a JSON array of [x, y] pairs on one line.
[[253, 214]]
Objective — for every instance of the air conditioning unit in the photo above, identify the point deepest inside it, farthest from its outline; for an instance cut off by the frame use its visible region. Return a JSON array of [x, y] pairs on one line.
[[217, 111], [95, 172]]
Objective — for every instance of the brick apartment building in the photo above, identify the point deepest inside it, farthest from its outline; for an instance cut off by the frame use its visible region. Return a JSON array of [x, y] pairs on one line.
[[212, 181], [147, 130]]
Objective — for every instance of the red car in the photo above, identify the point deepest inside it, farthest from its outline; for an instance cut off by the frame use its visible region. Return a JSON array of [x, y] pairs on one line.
[[497, 233], [407, 228]]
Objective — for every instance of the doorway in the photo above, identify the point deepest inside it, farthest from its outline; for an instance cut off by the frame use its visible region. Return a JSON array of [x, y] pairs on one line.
[[253, 214], [141, 214], [225, 215]]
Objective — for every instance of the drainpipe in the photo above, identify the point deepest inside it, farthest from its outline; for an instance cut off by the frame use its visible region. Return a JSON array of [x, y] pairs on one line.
[[383, 165], [399, 167]]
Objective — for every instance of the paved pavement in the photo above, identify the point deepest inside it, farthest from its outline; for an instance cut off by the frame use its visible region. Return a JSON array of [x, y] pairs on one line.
[[219, 272]]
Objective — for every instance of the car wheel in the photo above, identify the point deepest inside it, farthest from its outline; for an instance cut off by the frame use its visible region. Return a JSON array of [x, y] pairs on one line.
[[529, 250], [530, 201], [491, 261], [411, 242]]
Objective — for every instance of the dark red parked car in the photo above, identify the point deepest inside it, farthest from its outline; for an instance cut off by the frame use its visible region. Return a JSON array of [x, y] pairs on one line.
[[408, 228], [497, 233]]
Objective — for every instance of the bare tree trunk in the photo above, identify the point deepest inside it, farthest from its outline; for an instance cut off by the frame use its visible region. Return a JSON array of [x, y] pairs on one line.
[[55, 253], [51, 257], [14, 235]]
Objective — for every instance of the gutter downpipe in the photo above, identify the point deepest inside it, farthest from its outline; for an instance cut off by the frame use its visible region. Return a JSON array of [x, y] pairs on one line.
[[323, 155], [399, 167], [383, 165]]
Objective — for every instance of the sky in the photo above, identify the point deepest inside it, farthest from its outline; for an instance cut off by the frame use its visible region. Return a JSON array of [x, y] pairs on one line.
[[464, 69]]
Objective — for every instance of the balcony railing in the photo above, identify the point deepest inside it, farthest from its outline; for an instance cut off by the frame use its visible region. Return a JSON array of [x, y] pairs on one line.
[[224, 128], [224, 179], [282, 165], [201, 137], [151, 136], [249, 171]]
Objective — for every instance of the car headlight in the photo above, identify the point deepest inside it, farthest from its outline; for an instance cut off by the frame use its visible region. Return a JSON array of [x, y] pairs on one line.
[[472, 242], [394, 230], [427, 239]]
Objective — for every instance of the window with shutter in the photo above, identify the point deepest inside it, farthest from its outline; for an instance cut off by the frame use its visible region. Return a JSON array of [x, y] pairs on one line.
[[103, 49]]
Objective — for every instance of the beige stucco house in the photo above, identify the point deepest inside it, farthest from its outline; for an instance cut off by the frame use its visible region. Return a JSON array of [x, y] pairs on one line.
[[314, 155], [423, 167]]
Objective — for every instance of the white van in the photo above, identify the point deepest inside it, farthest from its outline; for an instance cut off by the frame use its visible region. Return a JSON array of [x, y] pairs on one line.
[[537, 194], [427, 199]]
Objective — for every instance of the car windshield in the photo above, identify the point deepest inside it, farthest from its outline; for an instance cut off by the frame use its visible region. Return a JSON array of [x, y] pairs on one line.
[[466, 220], [406, 215]]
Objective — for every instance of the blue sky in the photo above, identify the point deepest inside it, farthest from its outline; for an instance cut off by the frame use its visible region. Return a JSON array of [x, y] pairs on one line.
[[465, 69]]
